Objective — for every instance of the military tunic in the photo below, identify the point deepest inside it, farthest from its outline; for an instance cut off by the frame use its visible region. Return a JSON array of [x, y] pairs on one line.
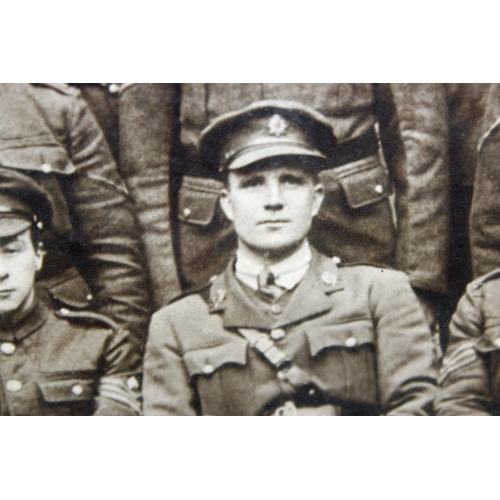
[[469, 382], [61, 362], [358, 332]]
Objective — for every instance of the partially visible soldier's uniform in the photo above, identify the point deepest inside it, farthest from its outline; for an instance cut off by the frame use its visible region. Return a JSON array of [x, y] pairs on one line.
[[343, 341], [485, 209], [64, 362], [467, 104], [48, 132], [56, 361], [470, 375]]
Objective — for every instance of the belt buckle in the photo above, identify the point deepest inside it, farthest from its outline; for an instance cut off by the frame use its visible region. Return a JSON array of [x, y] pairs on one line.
[[287, 410]]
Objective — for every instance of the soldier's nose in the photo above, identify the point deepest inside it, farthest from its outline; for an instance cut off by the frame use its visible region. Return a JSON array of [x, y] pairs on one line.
[[274, 198]]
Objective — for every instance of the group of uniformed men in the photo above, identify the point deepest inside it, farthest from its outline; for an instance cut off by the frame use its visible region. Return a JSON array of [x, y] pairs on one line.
[[295, 240]]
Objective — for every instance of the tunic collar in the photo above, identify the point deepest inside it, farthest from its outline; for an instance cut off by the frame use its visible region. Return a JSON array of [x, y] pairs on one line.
[[287, 273], [312, 296], [19, 326]]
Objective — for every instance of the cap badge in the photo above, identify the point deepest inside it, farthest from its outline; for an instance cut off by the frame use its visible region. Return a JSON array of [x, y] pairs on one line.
[[277, 126]]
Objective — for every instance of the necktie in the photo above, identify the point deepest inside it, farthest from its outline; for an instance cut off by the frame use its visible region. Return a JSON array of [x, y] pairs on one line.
[[268, 289]]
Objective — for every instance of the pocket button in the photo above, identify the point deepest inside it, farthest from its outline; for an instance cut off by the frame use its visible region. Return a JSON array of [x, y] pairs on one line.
[[496, 342], [351, 342]]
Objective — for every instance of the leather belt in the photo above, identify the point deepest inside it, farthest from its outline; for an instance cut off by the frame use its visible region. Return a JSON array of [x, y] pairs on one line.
[[355, 149], [290, 410]]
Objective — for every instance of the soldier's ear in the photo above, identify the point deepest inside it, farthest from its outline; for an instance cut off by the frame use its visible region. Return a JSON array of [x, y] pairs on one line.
[[225, 203], [318, 196]]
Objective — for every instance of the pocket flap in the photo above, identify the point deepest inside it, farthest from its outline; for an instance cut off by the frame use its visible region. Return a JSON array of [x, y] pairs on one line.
[[347, 335], [39, 153], [55, 391], [364, 182], [198, 200], [209, 359], [490, 341]]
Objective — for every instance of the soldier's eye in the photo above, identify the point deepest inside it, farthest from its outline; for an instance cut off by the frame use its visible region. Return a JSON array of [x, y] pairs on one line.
[[252, 182], [292, 180]]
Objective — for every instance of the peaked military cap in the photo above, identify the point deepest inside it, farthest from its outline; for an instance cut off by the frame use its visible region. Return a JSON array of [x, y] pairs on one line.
[[265, 129], [23, 203]]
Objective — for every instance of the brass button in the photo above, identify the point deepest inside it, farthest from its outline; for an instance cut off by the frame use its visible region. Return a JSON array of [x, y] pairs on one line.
[[278, 334], [77, 390], [379, 189], [276, 309], [8, 348], [90, 296], [336, 260], [351, 342], [13, 386], [46, 168], [64, 311], [132, 383], [282, 375], [186, 212], [497, 342], [208, 369], [114, 88]]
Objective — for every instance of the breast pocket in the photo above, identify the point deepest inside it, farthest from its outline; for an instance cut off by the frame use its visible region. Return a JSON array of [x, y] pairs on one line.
[[198, 200], [343, 356], [206, 240], [215, 373], [68, 396], [364, 182], [489, 347]]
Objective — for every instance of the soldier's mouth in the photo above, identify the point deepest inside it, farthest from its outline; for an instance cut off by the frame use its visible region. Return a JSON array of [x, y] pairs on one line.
[[275, 221], [6, 293]]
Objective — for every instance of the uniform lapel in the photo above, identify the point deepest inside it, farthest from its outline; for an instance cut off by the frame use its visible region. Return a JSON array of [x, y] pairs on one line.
[[313, 296], [314, 293]]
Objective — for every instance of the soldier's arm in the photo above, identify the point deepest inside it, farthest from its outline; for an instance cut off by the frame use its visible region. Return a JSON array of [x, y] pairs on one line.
[[147, 134], [464, 379], [407, 367], [105, 227], [119, 391], [166, 388], [485, 208], [414, 134]]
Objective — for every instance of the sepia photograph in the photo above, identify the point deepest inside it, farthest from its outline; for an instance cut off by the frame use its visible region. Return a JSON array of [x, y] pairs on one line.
[[287, 249], [248, 249]]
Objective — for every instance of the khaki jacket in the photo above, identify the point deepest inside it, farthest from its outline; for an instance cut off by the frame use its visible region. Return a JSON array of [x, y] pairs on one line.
[[469, 382], [63, 362], [358, 331]]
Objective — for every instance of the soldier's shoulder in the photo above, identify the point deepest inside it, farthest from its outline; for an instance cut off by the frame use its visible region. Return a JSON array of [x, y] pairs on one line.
[[186, 301], [492, 279], [61, 88], [372, 271], [86, 319]]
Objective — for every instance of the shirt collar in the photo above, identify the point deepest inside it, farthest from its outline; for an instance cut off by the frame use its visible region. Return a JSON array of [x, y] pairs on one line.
[[287, 273]]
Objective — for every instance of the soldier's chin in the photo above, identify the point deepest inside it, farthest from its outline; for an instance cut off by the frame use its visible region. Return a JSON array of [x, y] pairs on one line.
[[279, 250]]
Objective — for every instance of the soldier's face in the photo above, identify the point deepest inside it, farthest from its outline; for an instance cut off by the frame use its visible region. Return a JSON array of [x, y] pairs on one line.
[[272, 206], [19, 262]]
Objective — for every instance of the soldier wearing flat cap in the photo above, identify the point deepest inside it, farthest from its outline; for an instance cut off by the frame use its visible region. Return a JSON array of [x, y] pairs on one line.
[[285, 330], [52, 361]]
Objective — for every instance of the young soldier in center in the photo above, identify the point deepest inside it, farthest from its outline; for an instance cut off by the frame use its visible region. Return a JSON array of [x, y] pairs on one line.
[[284, 330]]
